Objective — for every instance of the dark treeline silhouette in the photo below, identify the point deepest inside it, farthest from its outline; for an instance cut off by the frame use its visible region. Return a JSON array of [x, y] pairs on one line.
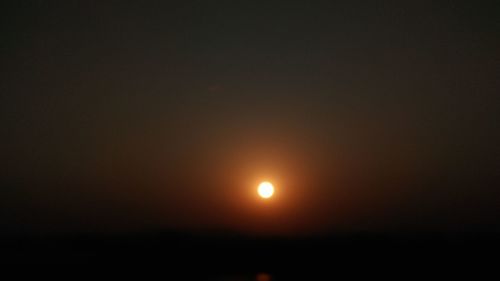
[[201, 256]]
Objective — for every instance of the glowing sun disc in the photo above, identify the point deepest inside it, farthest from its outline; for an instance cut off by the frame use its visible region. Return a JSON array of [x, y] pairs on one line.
[[265, 190]]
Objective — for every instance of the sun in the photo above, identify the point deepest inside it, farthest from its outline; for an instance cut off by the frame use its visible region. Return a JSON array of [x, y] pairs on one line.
[[265, 190]]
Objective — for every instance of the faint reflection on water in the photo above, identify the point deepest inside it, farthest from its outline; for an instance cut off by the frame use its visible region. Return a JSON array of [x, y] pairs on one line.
[[258, 277], [263, 277]]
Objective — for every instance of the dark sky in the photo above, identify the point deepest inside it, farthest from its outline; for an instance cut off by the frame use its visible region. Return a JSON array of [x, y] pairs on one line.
[[376, 116]]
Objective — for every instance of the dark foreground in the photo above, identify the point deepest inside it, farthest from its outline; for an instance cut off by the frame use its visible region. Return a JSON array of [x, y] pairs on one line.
[[222, 257]]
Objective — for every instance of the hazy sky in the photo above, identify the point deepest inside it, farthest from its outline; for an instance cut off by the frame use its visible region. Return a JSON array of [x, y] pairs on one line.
[[159, 115]]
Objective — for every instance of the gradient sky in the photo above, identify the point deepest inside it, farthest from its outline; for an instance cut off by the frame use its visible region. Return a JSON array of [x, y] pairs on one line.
[[120, 116]]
